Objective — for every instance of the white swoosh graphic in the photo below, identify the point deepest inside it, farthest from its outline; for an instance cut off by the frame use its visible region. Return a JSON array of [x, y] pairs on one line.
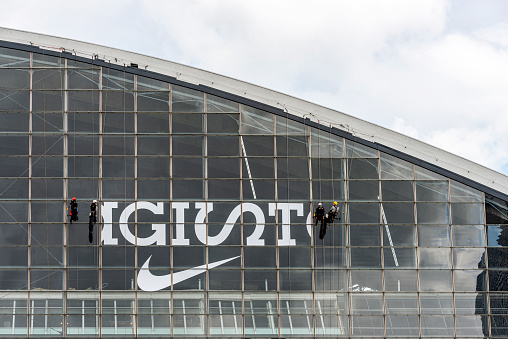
[[150, 283]]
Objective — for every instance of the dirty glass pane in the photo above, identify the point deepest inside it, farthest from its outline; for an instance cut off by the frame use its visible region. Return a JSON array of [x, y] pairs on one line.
[[216, 104], [432, 213], [153, 122], [431, 191], [186, 100], [255, 121], [222, 123]]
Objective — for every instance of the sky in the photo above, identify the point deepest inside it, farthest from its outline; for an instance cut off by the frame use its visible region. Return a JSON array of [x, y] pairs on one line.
[[435, 70]]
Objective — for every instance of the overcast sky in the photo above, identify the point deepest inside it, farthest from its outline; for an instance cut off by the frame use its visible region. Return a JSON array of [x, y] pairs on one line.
[[436, 70]]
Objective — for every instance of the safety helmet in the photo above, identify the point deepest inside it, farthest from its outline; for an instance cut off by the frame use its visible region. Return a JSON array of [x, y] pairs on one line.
[[94, 201], [320, 204], [73, 198], [334, 203]]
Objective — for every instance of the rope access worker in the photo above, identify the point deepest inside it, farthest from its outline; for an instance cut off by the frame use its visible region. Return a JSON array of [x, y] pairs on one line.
[[73, 210], [92, 219], [334, 211], [319, 216], [93, 212], [329, 218]]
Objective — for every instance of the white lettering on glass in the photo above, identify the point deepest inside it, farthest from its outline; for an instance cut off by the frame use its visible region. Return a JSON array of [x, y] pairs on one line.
[[180, 208], [159, 236], [286, 208]]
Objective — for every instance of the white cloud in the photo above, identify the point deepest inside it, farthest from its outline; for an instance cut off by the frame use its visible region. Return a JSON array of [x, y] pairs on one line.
[[403, 127], [481, 145]]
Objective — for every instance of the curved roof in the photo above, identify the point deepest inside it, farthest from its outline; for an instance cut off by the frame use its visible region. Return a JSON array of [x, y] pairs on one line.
[[381, 136]]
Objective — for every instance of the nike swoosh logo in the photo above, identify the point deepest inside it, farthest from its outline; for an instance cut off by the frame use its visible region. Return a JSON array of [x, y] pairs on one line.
[[151, 283]]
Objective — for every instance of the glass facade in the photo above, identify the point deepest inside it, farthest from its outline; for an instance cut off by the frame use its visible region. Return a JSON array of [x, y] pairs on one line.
[[206, 219]]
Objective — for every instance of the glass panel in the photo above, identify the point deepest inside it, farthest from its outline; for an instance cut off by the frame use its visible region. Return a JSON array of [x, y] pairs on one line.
[[188, 167], [153, 145], [431, 191], [14, 78], [435, 236], [357, 150], [365, 257], [257, 146], [466, 213], [118, 122], [365, 235], [14, 122], [292, 168], [117, 101], [397, 213], [153, 122], [496, 210], [223, 123], [397, 190], [365, 281], [14, 58], [285, 126], [362, 168], [399, 257], [13, 144], [468, 235], [363, 190], [467, 281], [434, 257], [14, 167], [156, 167], [254, 121], [395, 169], [425, 174], [186, 100], [292, 146], [462, 193], [432, 213], [435, 280], [216, 104], [362, 213], [223, 145], [399, 235], [223, 167], [187, 123], [188, 145], [83, 101], [468, 258], [401, 280]]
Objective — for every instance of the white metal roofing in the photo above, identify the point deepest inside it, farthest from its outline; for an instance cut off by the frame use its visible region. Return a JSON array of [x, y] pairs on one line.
[[292, 105]]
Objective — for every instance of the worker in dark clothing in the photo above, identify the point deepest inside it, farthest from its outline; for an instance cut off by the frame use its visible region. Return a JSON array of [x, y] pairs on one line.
[[73, 210], [93, 211], [319, 216], [92, 219]]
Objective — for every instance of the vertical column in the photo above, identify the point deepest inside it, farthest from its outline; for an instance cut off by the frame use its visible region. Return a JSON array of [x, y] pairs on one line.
[[347, 298], [99, 204], [487, 283], [65, 184], [206, 298], [29, 225], [241, 217], [382, 222], [452, 264], [171, 220], [416, 255], [134, 323]]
